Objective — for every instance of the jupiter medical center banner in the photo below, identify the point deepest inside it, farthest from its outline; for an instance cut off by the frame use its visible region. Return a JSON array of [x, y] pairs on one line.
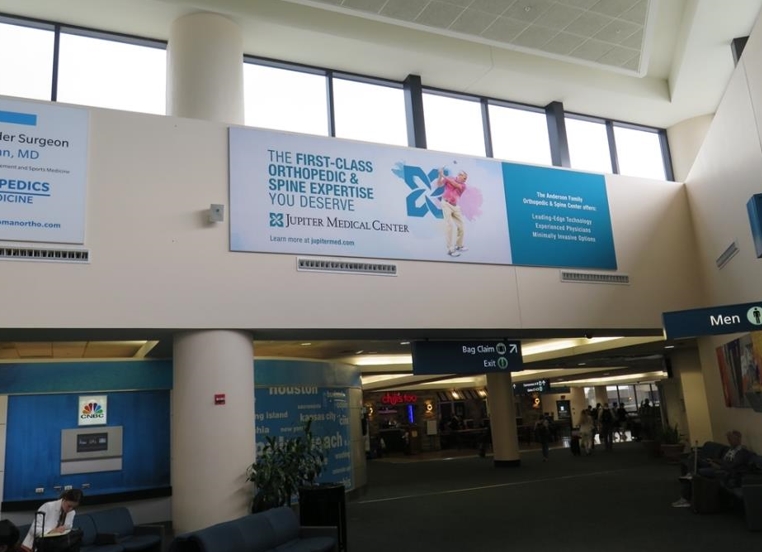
[[43, 172], [311, 195]]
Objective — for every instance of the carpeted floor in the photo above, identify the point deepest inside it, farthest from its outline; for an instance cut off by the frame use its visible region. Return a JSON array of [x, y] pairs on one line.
[[616, 501]]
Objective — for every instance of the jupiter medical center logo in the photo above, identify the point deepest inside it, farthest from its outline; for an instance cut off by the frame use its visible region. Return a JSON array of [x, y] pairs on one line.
[[425, 192], [276, 220], [92, 410]]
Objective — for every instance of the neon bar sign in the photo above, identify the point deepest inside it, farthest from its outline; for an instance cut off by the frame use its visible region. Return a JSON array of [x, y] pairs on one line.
[[393, 399]]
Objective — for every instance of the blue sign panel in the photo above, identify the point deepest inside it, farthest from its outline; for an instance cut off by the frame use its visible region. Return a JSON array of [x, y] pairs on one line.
[[558, 218], [528, 387], [725, 319], [754, 207], [282, 411], [466, 357]]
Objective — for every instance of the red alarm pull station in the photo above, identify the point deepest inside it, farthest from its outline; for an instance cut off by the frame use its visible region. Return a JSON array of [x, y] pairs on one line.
[[219, 398]]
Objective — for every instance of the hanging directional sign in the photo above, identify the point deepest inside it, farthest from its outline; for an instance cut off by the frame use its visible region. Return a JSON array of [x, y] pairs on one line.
[[466, 357], [725, 319]]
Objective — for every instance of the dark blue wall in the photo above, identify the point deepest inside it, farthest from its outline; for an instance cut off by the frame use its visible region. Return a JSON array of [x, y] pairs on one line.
[[33, 453]]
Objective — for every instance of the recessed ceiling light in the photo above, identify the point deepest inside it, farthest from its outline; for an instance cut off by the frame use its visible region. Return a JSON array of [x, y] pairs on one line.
[[527, 8], [669, 346], [306, 344], [581, 363], [404, 343], [359, 352]]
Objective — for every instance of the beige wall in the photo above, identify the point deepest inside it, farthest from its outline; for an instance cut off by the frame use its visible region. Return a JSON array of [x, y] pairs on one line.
[[576, 396], [157, 262], [685, 140], [727, 172]]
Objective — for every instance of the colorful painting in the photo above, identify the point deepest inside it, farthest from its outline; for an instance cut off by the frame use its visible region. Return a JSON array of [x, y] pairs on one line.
[[740, 363]]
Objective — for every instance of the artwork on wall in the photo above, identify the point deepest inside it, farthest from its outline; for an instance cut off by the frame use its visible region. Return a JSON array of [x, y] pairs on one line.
[[740, 363]]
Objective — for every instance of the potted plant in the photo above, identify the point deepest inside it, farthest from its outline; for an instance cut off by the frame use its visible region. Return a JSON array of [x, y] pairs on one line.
[[672, 445], [282, 467]]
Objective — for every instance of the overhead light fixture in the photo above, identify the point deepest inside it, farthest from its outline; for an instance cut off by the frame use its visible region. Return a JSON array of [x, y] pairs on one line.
[[306, 344], [455, 395], [582, 364], [669, 346], [359, 352], [560, 344], [404, 343]]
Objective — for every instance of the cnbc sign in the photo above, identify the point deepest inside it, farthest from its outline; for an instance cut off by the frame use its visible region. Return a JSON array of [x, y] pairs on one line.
[[92, 410]]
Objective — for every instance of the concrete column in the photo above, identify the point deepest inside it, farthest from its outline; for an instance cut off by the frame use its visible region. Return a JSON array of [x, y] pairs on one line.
[[505, 440], [686, 366], [205, 69], [601, 395], [212, 445]]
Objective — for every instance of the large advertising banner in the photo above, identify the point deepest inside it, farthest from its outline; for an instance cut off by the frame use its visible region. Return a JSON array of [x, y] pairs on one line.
[[282, 411], [43, 172], [558, 217], [311, 195]]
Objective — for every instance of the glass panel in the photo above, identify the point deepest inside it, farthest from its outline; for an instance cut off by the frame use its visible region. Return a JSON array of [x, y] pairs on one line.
[[639, 153], [627, 397], [26, 62], [282, 99], [647, 391], [519, 135], [612, 395], [588, 146], [115, 75], [369, 112], [453, 125], [590, 396]]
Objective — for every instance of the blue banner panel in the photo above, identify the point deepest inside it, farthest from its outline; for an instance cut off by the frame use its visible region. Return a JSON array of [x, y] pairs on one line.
[[74, 377], [754, 208], [273, 372], [281, 412], [558, 218], [726, 319], [466, 357]]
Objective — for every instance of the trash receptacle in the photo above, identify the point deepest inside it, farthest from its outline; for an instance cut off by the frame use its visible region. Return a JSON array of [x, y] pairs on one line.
[[325, 505]]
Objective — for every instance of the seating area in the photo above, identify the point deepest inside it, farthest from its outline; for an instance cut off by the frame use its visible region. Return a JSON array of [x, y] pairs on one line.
[[112, 530], [276, 529], [744, 486]]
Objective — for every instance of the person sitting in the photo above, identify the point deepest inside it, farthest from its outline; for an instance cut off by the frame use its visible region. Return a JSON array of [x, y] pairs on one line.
[[54, 518], [733, 464]]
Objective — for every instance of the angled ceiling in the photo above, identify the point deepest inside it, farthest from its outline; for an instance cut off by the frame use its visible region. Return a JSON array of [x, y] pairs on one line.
[[605, 33], [685, 60]]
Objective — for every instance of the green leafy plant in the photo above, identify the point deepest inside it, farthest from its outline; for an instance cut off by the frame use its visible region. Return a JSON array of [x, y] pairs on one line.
[[670, 435], [283, 466]]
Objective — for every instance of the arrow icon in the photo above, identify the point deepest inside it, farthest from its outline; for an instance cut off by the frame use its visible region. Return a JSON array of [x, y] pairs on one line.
[[513, 348]]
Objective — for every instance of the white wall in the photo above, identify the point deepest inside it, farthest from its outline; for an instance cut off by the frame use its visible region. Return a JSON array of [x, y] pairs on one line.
[[685, 140], [157, 263], [727, 172]]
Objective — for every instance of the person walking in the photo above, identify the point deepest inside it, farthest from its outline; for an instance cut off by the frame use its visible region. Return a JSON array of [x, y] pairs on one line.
[[586, 431], [542, 433]]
